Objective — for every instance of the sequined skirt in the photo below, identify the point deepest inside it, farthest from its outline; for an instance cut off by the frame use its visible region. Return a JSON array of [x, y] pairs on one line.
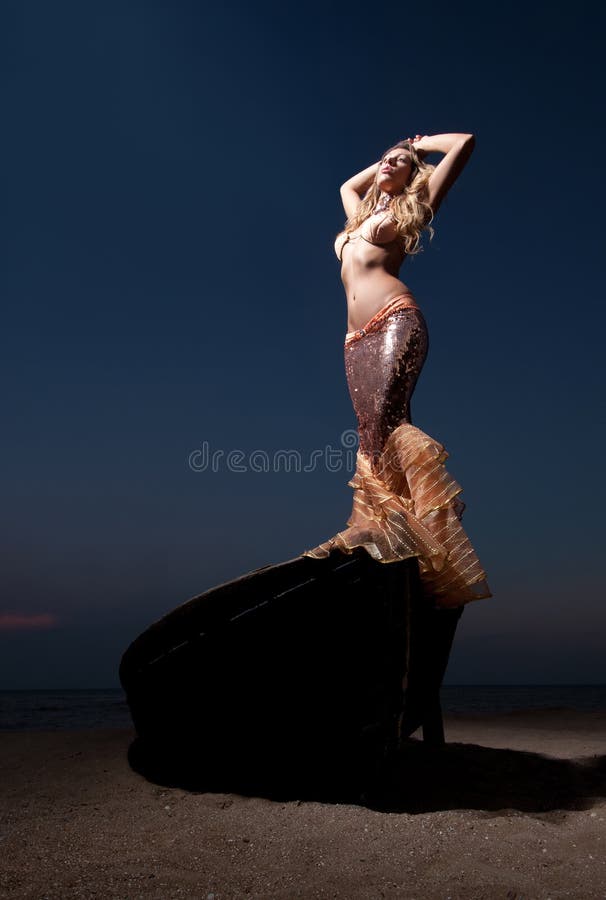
[[405, 501]]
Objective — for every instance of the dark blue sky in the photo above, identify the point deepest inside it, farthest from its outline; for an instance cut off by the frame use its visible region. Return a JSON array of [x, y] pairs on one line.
[[172, 174]]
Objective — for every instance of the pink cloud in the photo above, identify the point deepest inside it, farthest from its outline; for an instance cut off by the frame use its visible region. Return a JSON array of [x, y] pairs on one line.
[[18, 622]]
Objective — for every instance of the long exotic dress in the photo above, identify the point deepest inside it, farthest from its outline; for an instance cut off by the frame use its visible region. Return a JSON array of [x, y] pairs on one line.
[[405, 502]]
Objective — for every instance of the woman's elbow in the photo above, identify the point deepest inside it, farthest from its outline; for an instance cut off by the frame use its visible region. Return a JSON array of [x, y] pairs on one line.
[[348, 191]]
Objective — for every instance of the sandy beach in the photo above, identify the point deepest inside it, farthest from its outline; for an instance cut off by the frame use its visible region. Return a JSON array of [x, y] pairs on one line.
[[513, 807]]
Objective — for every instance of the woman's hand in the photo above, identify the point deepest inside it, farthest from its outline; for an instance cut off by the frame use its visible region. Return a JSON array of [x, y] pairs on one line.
[[417, 143], [439, 143]]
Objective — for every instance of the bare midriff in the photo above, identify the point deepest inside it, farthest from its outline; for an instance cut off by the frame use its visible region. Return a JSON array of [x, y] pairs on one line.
[[369, 274]]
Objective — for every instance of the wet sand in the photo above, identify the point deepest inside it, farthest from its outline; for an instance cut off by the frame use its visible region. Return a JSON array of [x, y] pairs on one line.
[[513, 807]]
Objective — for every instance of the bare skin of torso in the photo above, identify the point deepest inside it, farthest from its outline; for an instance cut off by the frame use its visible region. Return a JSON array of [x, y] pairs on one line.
[[369, 273]]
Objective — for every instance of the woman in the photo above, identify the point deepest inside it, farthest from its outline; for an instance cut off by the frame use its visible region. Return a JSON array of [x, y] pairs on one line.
[[405, 502]]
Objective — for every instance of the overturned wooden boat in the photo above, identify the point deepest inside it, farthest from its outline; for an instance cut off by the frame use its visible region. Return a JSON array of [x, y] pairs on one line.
[[312, 670]]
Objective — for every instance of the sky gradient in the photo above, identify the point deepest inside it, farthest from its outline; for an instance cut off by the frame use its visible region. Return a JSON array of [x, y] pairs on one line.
[[172, 175]]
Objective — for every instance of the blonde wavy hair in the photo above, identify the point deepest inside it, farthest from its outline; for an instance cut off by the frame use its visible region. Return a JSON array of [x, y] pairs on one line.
[[410, 209]]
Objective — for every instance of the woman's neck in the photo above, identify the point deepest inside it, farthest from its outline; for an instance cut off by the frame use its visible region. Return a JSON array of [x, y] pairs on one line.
[[383, 201]]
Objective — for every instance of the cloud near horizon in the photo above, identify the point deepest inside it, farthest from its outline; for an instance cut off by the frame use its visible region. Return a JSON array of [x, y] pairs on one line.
[[24, 622]]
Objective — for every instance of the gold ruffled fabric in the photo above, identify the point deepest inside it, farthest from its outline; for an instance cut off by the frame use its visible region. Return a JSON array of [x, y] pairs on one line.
[[408, 505]]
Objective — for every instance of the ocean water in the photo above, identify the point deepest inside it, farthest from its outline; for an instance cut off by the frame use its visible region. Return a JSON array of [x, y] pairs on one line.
[[496, 698], [88, 709], [53, 710]]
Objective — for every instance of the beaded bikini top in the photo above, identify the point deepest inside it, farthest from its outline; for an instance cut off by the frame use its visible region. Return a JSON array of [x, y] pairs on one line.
[[379, 229]]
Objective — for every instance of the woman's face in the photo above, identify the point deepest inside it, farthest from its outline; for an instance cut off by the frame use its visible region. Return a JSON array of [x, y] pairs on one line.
[[394, 170]]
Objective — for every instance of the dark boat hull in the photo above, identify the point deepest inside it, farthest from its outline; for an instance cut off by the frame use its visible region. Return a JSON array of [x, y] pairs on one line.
[[310, 668]]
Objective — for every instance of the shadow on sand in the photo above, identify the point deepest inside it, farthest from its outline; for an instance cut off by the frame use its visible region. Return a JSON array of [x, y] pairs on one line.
[[416, 779]]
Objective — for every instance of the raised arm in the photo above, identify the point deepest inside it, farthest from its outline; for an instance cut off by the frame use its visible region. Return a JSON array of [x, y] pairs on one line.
[[353, 190], [457, 149]]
